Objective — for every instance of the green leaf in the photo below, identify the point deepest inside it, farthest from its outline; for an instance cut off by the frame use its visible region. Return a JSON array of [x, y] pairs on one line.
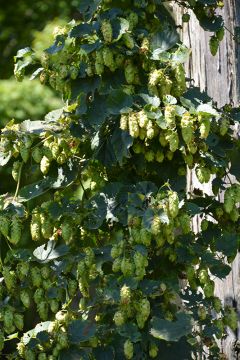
[[81, 30], [129, 331], [27, 51], [163, 40], [214, 45], [121, 142], [5, 157], [81, 330], [27, 336], [117, 101], [57, 46], [87, 8], [207, 109], [119, 27], [49, 251], [227, 244], [171, 330], [73, 353]]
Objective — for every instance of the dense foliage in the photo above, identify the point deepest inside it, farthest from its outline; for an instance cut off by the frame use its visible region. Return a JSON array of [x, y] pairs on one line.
[[96, 221]]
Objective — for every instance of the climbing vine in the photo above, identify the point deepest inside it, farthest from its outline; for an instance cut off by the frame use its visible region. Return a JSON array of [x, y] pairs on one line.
[[96, 220]]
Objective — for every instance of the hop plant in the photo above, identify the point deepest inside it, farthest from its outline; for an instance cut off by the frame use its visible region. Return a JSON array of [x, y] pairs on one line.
[[42, 308], [9, 278], [187, 125], [170, 116], [37, 154], [106, 29], [35, 225], [119, 318], [128, 349], [128, 41], [130, 72], [203, 174], [4, 225], [205, 125], [36, 276], [44, 165], [108, 57], [153, 350], [16, 230], [173, 140], [133, 125], [224, 126], [125, 295], [173, 204], [15, 170], [25, 298]]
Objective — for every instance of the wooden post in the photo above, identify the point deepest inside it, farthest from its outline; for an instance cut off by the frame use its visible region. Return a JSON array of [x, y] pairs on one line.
[[220, 77]]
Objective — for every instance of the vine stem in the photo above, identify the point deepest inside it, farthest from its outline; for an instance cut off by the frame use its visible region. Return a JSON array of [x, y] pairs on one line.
[[18, 182]]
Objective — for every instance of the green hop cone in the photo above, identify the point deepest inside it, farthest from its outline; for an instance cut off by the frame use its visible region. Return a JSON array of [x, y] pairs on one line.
[[204, 127], [15, 170], [130, 71], [4, 225], [173, 204], [42, 309], [45, 272], [124, 122], [209, 289], [25, 298], [229, 200], [9, 278], [127, 267], [133, 125], [25, 152], [128, 41], [16, 230], [106, 29], [37, 155], [108, 57], [153, 350], [22, 270], [42, 356], [35, 225], [18, 320], [128, 349], [156, 225], [116, 266], [125, 295], [170, 115], [67, 232], [187, 125], [54, 305], [38, 295], [149, 155], [36, 276], [72, 287], [46, 227], [224, 126], [44, 165], [119, 318], [132, 19]]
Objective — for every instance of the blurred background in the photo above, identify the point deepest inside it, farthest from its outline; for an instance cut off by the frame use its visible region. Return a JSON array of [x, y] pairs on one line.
[[28, 23]]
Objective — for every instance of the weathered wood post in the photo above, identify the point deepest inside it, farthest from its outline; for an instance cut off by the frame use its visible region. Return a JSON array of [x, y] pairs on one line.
[[220, 77]]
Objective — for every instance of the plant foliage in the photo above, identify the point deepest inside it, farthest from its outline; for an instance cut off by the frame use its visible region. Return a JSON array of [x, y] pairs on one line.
[[96, 221]]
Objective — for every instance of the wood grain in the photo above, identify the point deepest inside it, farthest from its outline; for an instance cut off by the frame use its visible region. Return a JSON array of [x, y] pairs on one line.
[[220, 77]]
